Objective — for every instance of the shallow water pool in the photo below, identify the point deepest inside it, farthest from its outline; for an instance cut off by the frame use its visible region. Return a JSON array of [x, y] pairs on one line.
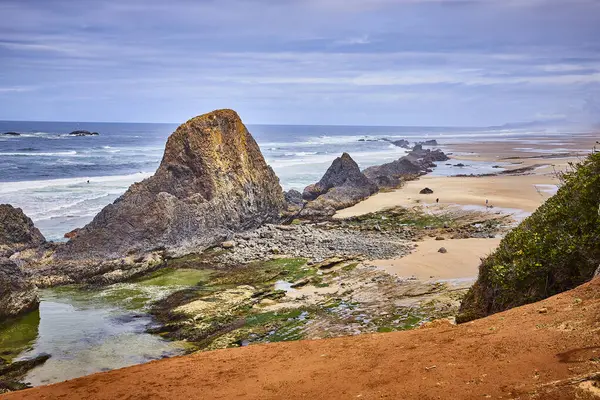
[[89, 331]]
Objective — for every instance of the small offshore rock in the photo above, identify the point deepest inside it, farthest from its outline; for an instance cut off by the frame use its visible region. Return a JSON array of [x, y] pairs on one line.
[[83, 133]]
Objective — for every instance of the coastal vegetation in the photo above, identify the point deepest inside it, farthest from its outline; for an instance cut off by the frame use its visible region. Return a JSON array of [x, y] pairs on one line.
[[556, 249]]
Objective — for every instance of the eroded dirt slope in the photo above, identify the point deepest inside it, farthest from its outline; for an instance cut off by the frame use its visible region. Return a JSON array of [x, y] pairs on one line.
[[547, 350]]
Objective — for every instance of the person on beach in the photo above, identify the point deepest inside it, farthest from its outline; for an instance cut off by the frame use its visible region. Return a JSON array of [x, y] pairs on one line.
[[437, 201]]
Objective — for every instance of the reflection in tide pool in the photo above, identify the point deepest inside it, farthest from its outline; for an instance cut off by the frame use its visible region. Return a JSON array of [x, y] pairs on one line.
[[89, 331]]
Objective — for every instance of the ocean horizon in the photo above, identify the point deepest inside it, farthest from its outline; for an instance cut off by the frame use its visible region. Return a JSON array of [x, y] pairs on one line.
[[63, 181]]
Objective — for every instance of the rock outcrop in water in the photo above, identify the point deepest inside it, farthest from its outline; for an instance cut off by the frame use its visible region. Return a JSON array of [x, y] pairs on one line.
[[418, 162], [212, 181], [83, 133], [17, 295], [17, 231], [343, 185]]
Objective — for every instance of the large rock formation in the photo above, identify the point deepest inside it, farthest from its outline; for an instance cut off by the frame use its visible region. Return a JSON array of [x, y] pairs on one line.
[[17, 296], [212, 181], [343, 185], [17, 231], [418, 162]]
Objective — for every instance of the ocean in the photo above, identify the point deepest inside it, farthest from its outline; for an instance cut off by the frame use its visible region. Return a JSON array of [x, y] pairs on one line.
[[63, 181]]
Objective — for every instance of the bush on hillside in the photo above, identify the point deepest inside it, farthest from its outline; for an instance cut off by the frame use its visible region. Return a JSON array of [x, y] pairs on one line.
[[556, 249]]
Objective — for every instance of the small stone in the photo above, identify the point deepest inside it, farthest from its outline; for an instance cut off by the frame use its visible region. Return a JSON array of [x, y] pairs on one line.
[[543, 310], [440, 238], [442, 250], [230, 244], [275, 250]]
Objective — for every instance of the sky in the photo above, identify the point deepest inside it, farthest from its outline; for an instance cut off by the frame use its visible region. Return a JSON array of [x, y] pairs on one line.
[[344, 62]]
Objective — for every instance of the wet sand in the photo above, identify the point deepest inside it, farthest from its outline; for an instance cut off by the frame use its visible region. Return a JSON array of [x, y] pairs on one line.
[[426, 263]]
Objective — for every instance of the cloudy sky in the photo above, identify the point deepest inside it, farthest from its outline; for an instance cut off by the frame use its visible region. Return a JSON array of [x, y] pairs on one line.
[[367, 62]]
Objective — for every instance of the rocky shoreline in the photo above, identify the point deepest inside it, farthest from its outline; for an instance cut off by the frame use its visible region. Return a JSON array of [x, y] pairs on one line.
[[279, 267]]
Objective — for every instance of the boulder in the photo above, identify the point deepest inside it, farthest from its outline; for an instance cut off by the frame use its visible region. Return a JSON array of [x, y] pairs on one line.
[[83, 133], [426, 191], [294, 199], [343, 185], [72, 234], [17, 295], [212, 181], [400, 143], [442, 250], [17, 231]]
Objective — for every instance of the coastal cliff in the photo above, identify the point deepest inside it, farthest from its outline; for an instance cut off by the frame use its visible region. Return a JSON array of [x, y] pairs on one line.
[[212, 181], [556, 249]]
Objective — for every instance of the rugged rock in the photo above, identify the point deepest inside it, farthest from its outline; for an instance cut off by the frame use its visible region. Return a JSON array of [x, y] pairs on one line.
[[400, 143], [11, 374], [418, 162], [72, 234], [426, 191], [432, 142], [83, 133], [17, 295], [17, 231], [442, 250], [212, 181], [294, 199], [11, 133], [343, 185]]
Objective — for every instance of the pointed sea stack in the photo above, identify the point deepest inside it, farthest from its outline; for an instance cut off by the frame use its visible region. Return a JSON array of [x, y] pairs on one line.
[[212, 181], [343, 185]]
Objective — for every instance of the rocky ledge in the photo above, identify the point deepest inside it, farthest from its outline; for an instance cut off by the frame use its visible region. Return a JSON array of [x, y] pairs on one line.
[[418, 162]]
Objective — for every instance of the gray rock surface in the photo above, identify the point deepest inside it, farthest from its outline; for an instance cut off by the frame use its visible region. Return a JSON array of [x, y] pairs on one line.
[[314, 243], [17, 231], [17, 295], [343, 185], [416, 163], [212, 181]]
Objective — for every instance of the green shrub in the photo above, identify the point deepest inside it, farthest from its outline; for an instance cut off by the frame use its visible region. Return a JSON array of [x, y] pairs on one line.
[[556, 249]]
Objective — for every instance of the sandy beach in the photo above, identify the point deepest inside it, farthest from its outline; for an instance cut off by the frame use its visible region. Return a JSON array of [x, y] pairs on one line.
[[518, 195], [427, 263]]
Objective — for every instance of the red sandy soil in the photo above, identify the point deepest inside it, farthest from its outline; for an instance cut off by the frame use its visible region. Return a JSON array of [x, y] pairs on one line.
[[547, 350]]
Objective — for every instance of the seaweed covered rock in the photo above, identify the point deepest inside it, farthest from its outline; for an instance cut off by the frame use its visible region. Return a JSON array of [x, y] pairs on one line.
[[343, 185], [556, 249], [212, 181], [17, 231], [17, 295]]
